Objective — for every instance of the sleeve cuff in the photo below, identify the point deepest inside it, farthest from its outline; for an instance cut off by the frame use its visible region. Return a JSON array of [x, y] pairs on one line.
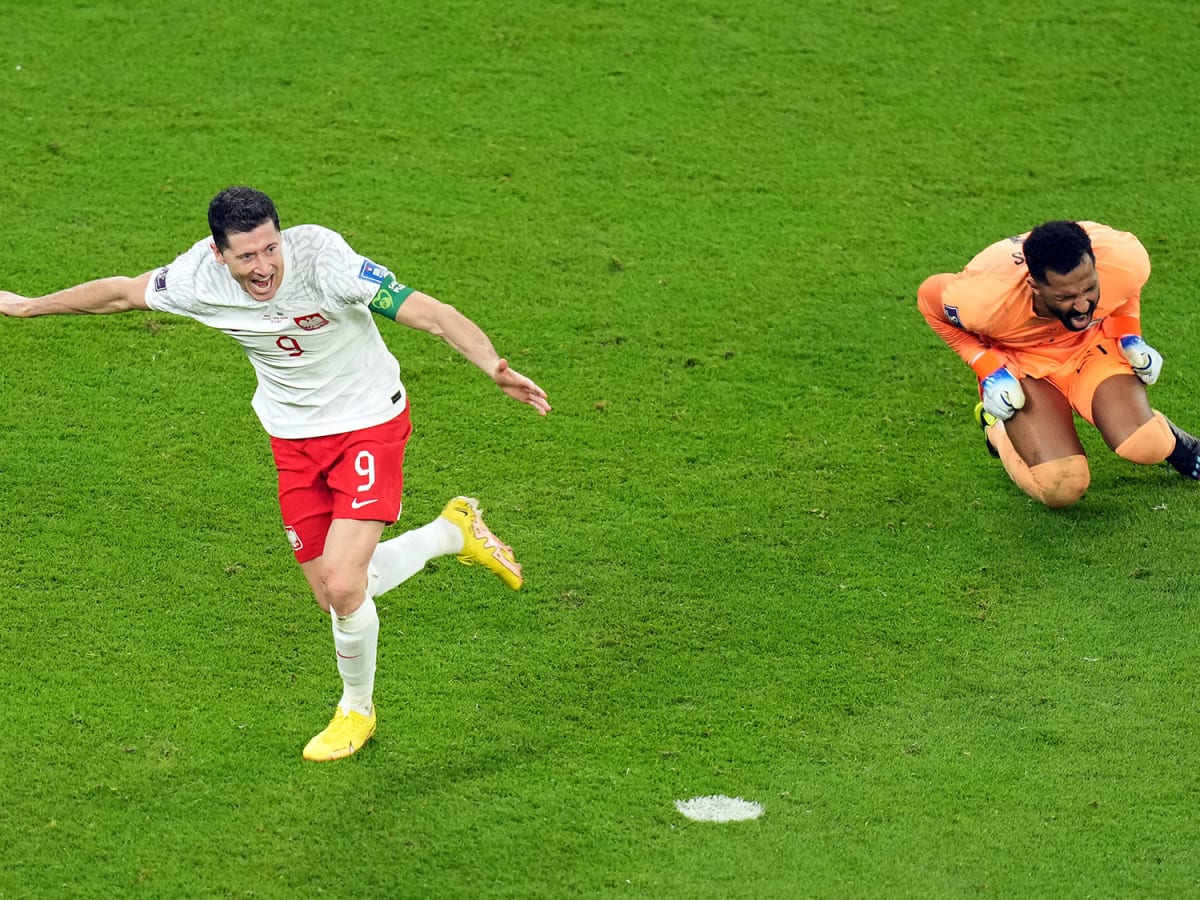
[[1119, 326], [987, 362]]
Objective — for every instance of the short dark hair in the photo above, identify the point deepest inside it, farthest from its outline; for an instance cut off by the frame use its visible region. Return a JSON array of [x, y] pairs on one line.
[[1058, 246], [239, 210]]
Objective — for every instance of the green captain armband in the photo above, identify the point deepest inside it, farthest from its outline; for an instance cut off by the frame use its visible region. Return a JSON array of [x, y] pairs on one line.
[[387, 300]]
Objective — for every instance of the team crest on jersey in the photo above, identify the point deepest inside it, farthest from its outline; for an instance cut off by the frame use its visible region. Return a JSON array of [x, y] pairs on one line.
[[311, 322], [160, 280], [952, 315], [372, 272]]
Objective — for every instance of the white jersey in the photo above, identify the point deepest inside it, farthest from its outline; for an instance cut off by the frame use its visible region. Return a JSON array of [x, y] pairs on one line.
[[322, 366]]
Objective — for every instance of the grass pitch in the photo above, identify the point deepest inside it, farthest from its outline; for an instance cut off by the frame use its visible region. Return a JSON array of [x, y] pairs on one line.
[[767, 555]]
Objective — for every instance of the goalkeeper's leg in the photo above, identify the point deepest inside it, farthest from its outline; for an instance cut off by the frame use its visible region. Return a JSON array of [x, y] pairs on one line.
[[1054, 483], [1150, 443], [1121, 411], [1040, 448]]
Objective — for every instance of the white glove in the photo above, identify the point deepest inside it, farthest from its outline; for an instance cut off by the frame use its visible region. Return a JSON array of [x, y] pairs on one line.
[[1146, 361], [1002, 394]]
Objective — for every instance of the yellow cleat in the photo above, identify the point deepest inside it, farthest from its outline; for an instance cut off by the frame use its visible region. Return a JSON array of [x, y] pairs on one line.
[[480, 546], [986, 420], [346, 734]]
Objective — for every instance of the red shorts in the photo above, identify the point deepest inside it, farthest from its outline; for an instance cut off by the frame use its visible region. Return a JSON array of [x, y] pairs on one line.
[[356, 475]]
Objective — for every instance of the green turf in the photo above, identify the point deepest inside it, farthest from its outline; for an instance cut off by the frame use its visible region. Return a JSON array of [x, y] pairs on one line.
[[767, 555]]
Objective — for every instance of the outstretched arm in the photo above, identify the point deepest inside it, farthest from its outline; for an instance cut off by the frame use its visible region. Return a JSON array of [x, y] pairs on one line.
[[105, 295], [424, 313]]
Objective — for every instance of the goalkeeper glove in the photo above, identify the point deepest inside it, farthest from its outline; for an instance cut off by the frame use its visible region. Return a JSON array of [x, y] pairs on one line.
[[1145, 360], [1002, 394]]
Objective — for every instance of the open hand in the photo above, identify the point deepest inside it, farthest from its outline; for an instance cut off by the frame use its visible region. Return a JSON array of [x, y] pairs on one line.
[[10, 303], [520, 388]]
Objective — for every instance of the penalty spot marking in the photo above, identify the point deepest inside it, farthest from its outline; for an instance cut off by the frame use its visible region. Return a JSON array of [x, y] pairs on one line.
[[719, 808]]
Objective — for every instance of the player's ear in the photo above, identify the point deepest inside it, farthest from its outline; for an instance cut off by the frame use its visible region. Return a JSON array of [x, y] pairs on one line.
[[217, 252]]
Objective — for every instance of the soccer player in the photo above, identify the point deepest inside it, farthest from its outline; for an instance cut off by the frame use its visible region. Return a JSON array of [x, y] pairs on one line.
[[1050, 323], [300, 304]]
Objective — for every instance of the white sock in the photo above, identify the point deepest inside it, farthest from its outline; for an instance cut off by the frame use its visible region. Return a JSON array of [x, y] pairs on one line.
[[402, 557], [356, 639]]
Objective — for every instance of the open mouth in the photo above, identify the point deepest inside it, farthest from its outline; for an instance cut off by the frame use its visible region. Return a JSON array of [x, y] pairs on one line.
[[1078, 321], [262, 285]]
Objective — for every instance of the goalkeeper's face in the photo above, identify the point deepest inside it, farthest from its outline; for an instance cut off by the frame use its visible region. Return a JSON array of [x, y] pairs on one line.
[[255, 260], [1071, 297]]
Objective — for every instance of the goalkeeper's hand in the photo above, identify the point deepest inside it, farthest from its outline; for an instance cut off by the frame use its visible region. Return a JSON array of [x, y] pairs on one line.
[[1145, 360], [1002, 394]]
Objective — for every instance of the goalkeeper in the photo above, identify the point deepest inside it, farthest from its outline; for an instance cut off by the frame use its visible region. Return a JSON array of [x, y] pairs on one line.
[[1049, 321]]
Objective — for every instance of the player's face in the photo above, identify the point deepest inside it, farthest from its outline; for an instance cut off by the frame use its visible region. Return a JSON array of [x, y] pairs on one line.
[[1071, 298], [255, 260]]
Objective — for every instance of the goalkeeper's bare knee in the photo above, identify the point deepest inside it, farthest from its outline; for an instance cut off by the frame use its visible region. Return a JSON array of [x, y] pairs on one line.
[[1060, 482]]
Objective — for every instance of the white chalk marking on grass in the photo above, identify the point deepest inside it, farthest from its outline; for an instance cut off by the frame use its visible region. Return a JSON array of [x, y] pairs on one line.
[[719, 808]]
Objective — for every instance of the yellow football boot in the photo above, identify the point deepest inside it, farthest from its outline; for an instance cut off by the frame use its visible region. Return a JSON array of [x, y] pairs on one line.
[[986, 420], [480, 546], [346, 734]]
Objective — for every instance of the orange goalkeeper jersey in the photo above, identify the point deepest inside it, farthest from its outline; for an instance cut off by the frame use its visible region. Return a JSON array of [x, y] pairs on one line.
[[989, 304]]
